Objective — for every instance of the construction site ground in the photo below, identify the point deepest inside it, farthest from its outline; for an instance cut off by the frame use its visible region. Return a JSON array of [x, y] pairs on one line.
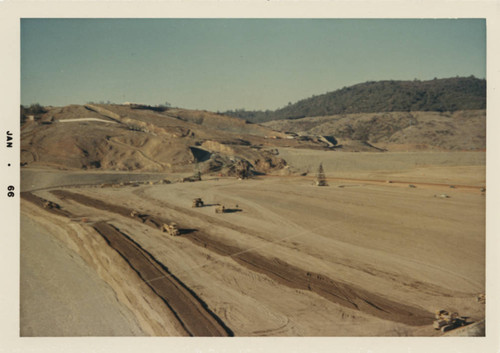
[[368, 255]]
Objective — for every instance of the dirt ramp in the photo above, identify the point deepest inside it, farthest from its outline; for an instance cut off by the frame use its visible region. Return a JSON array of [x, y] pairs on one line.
[[191, 311], [91, 202], [46, 204], [338, 292]]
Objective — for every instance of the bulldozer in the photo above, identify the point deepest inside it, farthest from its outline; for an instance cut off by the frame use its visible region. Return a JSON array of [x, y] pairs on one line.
[[198, 202], [446, 321], [50, 205], [171, 229]]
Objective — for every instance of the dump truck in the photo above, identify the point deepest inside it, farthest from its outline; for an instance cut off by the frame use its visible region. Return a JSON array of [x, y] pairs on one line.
[[220, 209], [171, 229], [446, 321], [198, 202]]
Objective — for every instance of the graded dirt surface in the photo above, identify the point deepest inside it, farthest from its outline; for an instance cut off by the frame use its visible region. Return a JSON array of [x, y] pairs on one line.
[[61, 294], [361, 257]]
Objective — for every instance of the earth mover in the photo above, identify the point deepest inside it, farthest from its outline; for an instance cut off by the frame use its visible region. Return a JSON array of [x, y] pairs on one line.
[[50, 205], [446, 321], [171, 229], [198, 202]]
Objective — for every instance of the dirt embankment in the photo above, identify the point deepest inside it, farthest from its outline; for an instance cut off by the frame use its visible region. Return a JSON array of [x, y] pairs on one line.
[[121, 138], [341, 293], [396, 131], [195, 316], [191, 312]]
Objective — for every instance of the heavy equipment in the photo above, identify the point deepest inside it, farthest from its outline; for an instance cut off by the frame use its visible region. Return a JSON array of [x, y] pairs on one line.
[[198, 202], [171, 229], [446, 321]]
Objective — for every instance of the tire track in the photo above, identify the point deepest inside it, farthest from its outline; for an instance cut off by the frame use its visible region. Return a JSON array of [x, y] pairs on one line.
[[280, 271]]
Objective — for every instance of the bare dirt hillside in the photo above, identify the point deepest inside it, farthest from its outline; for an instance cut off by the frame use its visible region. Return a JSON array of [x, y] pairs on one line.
[[114, 137], [397, 131], [147, 139]]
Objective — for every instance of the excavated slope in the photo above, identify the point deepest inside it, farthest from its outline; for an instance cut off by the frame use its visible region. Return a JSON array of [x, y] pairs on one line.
[[461, 130], [114, 137]]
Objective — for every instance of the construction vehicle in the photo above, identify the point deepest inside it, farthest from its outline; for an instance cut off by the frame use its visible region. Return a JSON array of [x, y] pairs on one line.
[[50, 205], [446, 321], [220, 209], [196, 176], [193, 178], [198, 202], [171, 229]]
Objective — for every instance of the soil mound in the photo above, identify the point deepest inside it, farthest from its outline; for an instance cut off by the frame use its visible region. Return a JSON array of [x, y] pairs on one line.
[[123, 138]]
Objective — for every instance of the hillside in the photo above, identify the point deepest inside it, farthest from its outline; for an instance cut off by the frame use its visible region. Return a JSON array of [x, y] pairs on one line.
[[137, 138], [127, 138], [439, 95], [394, 131]]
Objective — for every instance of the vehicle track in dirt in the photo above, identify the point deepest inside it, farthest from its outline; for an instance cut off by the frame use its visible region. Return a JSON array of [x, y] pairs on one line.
[[190, 310], [280, 271], [115, 141]]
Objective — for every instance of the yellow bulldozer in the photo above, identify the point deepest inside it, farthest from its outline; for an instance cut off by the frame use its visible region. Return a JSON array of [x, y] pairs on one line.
[[446, 321], [171, 229]]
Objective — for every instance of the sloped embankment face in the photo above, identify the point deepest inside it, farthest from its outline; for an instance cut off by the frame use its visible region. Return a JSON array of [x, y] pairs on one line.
[[123, 139], [280, 271], [397, 131], [188, 310], [195, 316], [94, 145]]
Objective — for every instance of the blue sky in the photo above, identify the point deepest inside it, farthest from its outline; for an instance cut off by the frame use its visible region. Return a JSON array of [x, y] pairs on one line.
[[221, 64]]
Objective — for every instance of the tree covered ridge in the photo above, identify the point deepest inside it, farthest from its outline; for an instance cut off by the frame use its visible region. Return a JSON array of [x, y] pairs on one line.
[[449, 94]]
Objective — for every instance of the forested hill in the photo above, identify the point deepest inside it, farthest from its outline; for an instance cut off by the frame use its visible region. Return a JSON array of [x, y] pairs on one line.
[[449, 94]]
